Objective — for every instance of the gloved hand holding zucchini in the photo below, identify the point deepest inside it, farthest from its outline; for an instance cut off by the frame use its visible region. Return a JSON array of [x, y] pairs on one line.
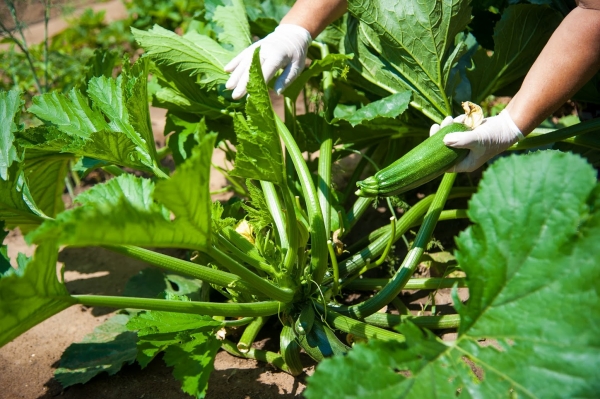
[[426, 161], [493, 136], [461, 144]]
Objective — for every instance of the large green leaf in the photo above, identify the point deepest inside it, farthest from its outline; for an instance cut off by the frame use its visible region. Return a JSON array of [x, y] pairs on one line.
[[408, 45], [105, 146], [259, 153], [317, 67], [234, 24], [136, 102], [4, 259], [189, 343], [123, 211], [187, 193], [17, 206], [194, 54], [45, 174], [70, 114], [30, 296], [388, 107], [10, 108], [519, 38], [114, 129], [181, 92], [107, 349], [531, 263], [34, 190]]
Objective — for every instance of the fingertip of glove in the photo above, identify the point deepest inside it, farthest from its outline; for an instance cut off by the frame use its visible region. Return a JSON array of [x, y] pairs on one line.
[[460, 118], [434, 129], [447, 121], [237, 94], [450, 139]]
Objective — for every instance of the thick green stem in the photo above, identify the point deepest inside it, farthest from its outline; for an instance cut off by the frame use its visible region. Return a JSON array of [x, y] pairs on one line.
[[266, 287], [412, 216], [256, 354], [364, 160], [276, 211], [291, 256], [357, 328], [355, 213], [243, 253], [386, 320], [374, 284], [161, 153], [114, 170], [326, 148], [158, 172], [255, 309], [397, 283], [533, 141], [334, 265], [250, 334], [207, 274], [317, 227], [238, 322], [451, 214]]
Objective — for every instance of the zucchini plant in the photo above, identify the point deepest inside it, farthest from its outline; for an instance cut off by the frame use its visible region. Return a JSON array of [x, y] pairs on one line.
[[284, 250]]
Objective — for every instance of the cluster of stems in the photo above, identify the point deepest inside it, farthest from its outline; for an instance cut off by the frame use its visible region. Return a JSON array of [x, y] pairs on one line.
[[266, 289]]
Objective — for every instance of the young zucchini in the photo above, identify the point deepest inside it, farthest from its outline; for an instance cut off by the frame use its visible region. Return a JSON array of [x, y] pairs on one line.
[[420, 165]]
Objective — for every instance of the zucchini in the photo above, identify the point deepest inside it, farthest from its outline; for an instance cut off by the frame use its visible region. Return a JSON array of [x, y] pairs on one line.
[[290, 350], [420, 165], [305, 320], [321, 342]]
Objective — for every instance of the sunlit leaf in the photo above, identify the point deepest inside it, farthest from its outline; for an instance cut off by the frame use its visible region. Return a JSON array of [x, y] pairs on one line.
[[107, 349], [531, 264], [529, 27], [30, 296], [259, 153], [194, 54], [10, 109], [409, 46]]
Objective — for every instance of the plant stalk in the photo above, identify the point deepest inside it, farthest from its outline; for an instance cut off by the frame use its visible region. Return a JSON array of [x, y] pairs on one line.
[[254, 309], [397, 283], [386, 320], [265, 286], [326, 148], [356, 327], [207, 274], [412, 216], [318, 233], [533, 141], [256, 354], [275, 209], [250, 333], [374, 284]]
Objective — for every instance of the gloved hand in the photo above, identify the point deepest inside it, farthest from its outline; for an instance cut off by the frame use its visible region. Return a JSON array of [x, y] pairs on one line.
[[489, 139], [285, 48]]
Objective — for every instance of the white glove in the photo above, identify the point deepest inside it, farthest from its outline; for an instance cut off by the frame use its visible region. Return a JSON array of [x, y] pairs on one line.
[[285, 48], [489, 139]]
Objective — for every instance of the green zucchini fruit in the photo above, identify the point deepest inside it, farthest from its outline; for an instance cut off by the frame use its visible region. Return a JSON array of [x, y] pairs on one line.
[[420, 165], [305, 320], [321, 342], [290, 350]]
